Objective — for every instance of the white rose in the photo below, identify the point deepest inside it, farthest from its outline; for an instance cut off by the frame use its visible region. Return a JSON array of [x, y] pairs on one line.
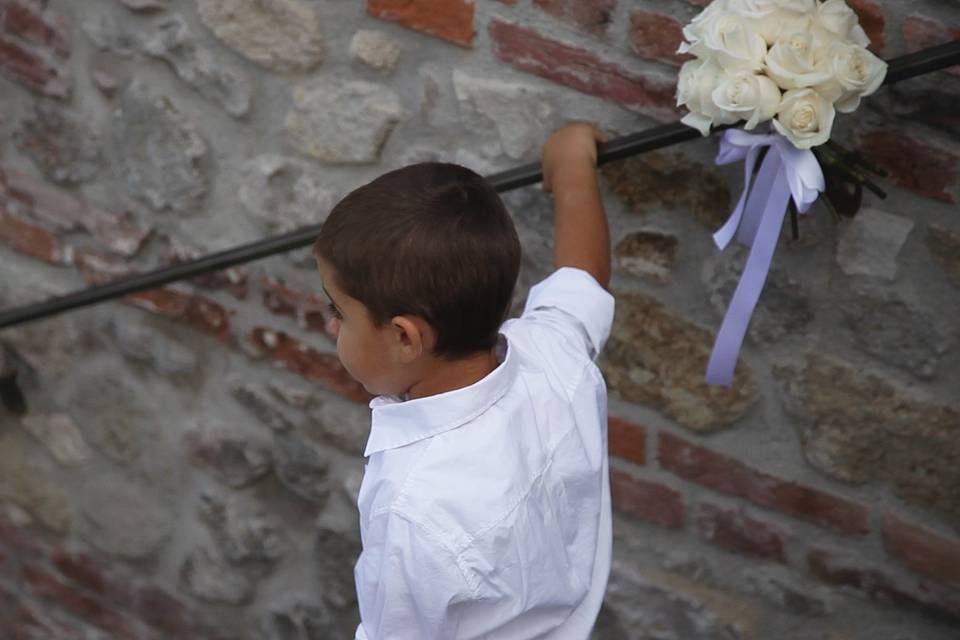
[[754, 98], [695, 86], [795, 62], [773, 19], [729, 38], [834, 20], [760, 8], [692, 31], [856, 73], [805, 118]]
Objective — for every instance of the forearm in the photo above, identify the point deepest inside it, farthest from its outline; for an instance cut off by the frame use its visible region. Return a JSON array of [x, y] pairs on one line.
[[581, 234]]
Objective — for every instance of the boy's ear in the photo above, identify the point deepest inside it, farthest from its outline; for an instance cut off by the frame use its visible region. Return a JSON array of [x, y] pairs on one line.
[[414, 337]]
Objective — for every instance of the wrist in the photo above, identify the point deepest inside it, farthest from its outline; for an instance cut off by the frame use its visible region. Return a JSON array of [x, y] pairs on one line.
[[572, 178]]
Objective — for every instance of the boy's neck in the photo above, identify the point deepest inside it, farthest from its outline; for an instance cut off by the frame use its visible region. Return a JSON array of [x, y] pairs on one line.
[[449, 376]]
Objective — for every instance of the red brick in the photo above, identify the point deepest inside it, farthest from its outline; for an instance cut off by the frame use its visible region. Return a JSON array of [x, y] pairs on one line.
[[309, 309], [648, 500], [307, 362], [7, 565], [627, 440], [30, 238], [172, 302], [723, 473], [657, 36], [592, 16], [20, 19], [98, 268], [44, 585], [89, 573], [31, 70], [846, 570], [118, 233], [163, 611], [735, 531], [29, 621], [930, 171], [24, 541], [582, 70], [198, 311], [922, 550], [920, 32], [451, 20], [872, 21], [233, 280]]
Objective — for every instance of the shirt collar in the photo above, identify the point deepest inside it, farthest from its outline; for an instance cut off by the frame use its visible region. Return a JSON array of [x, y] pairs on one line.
[[396, 423]]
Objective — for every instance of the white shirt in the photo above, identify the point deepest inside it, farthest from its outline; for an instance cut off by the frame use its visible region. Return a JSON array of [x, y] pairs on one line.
[[485, 511]]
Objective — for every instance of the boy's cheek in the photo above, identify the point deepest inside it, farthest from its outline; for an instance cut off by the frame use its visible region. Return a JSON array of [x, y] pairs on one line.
[[333, 326]]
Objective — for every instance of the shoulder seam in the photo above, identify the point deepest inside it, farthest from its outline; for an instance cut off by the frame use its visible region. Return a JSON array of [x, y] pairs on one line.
[[437, 537]]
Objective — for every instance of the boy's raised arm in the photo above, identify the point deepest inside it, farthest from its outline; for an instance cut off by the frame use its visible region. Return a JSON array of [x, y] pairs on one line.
[[581, 235]]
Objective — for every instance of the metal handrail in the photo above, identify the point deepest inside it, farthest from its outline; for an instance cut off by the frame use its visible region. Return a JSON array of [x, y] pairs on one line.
[[901, 68]]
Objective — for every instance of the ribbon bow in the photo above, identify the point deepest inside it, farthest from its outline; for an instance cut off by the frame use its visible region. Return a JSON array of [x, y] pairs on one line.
[[785, 172]]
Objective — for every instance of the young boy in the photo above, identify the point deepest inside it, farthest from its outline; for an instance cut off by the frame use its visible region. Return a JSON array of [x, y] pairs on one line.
[[485, 504]]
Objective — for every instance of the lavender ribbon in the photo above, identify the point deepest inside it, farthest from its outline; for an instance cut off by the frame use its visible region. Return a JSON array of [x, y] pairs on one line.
[[785, 172]]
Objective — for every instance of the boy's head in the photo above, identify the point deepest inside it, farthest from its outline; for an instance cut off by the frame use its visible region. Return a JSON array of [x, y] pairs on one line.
[[421, 263]]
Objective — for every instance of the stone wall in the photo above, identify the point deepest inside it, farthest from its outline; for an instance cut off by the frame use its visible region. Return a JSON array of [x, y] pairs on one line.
[[188, 460]]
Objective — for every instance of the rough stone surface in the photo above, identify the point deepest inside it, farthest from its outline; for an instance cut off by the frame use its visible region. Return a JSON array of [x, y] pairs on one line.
[[207, 576], [298, 620], [342, 121], [146, 5], [899, 333], [784, 308], [375, 49], [236, 461], [158, 155], [647, 253], [788, 591], [110, 414], [123, 518], [283, 193], [870, 244], [859, 427], [648, 604], [521, 115], [657, 358], [302, 467], [282, 35], [267, 406], [661, 178], [30, 482], [244, 533], [144, 344], [60, 436], [345, 425], [944, 246], [66, 150], [172, 42], [107, 35], [335, 554]]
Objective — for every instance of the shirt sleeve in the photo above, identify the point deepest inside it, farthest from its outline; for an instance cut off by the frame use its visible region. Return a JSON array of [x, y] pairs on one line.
[[410, 586], [571, 298]]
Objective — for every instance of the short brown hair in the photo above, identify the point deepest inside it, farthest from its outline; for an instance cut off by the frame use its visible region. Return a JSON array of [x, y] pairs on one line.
[[432, 240]]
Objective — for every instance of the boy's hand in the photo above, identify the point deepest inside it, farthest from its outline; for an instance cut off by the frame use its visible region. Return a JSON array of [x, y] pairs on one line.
[[570, 149]]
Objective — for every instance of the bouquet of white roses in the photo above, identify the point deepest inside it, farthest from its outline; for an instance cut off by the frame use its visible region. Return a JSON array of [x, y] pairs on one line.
[[796, 62]]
